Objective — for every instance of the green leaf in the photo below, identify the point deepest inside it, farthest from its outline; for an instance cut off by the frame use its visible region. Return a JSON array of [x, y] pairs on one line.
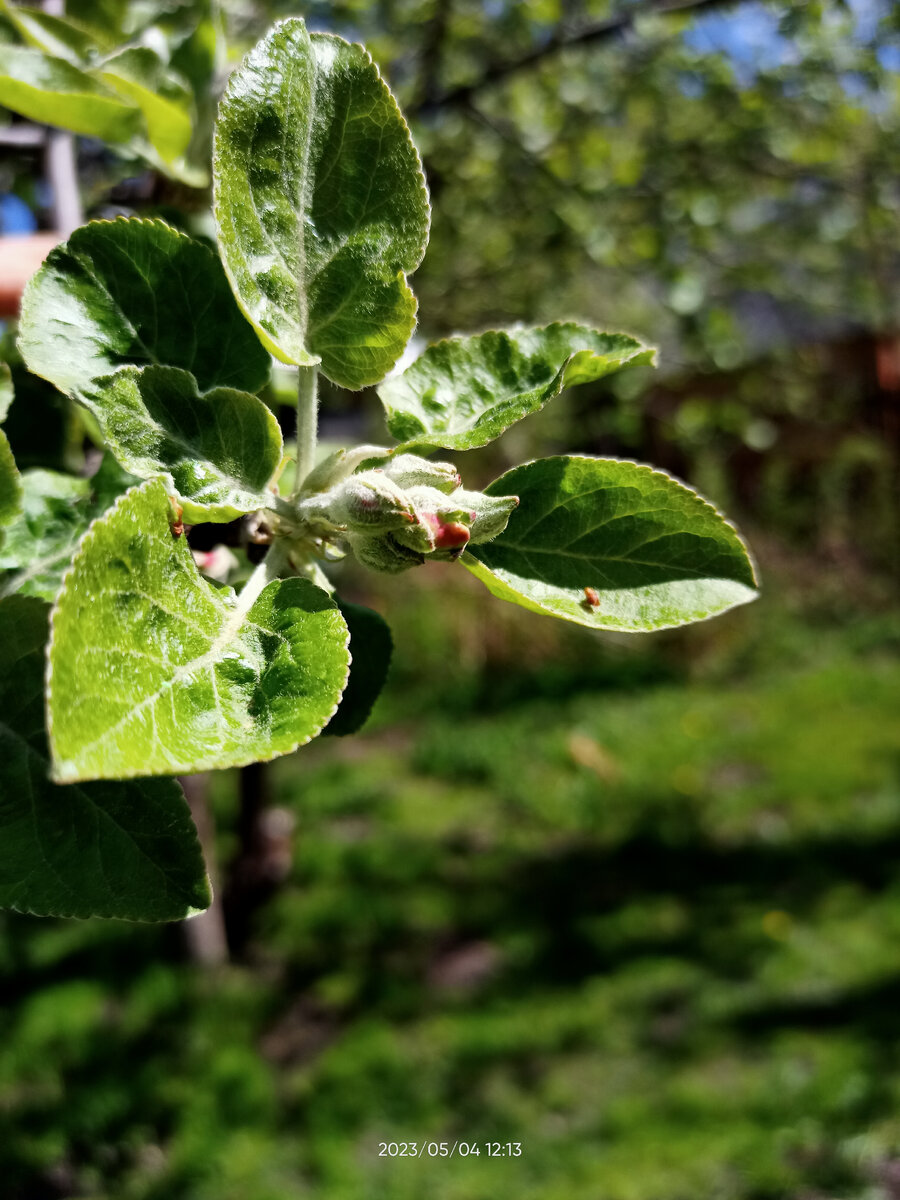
[[371, 647], [6, 391], [138, 74], [134, 291], [53, 92], [10, 483], [320, 203], [155, 671], [59, 36], [217, 449], [655, 553], [465, 391], [56, 512], [126, 850]]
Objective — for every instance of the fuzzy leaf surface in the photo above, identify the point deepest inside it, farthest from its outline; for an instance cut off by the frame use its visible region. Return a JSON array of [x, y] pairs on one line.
[[465, 391], [320, 203], [154, 671], [6, 390], [654, 551], [371, 647], [216, 449], [126, 850], [52, 91], [10, 483], [56, 512], [135, 291]]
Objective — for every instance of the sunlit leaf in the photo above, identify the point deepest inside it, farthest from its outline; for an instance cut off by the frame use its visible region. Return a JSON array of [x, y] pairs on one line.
[[59, 36], [135, 291], [463, 392], [139, 76], [612, 545], [320, 203], [155, 671], [217, 449], [125, 850], [53, 92]]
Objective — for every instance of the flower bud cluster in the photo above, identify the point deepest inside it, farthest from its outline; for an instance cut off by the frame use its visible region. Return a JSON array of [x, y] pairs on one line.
[[396, 515]]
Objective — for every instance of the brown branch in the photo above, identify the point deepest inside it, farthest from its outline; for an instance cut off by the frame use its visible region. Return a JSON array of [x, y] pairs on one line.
[[601, 31], [427, 91]]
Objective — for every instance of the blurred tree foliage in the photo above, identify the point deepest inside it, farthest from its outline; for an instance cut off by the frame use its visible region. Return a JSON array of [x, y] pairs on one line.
[[720, 177], [637, 908]]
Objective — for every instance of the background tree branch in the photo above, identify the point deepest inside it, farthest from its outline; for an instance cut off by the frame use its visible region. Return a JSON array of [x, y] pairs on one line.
[[563, 39]]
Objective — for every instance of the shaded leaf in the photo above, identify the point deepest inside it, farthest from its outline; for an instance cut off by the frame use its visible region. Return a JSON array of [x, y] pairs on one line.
[[52, 91], [56, 512], [612, 545], [59, 36], [42, 425], [465, 391], [155, 671], [217, 449], [320, 204], [10, 483], [125, 850], [371, 647], [6, 391], [139, 75], [135, 291]]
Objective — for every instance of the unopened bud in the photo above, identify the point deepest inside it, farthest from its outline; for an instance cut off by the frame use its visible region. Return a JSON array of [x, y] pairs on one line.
[[492, 513], [384, 553], [408, 470], [451, 538], [371, 503], [337, 466], [435, 513]]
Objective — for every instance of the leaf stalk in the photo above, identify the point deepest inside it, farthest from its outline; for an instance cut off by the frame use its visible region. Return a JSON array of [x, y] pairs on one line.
[[307, 422]]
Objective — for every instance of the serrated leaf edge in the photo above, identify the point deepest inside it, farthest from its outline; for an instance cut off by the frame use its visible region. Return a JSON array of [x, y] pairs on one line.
[[313, 360], [202, 764], [62, 911], [423, 441], [594, 624], [214, 513], [24, 307]]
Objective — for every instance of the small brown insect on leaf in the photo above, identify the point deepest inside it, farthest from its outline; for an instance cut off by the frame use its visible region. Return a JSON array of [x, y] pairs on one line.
[[177, 526], [591, 598]]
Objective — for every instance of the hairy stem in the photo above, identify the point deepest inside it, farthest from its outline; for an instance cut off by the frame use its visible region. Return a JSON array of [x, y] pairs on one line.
[[307, 422], [270, 568]]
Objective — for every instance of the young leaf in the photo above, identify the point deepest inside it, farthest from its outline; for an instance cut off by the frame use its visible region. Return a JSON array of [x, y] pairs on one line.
[[53, 92], [56, 512], [612, 545], [154, 671], [371, 647], [6, 390], [216, 449], [10, 483], [59, 36], [138, 74], [126, 850], [320, 203], [135, 291], [463, 392]]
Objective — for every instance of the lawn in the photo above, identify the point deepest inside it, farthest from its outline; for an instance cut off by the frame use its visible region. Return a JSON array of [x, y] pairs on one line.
[[630, 903]]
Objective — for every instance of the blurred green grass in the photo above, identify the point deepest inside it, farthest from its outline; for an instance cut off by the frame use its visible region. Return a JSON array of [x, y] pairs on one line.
[[632, 903]]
